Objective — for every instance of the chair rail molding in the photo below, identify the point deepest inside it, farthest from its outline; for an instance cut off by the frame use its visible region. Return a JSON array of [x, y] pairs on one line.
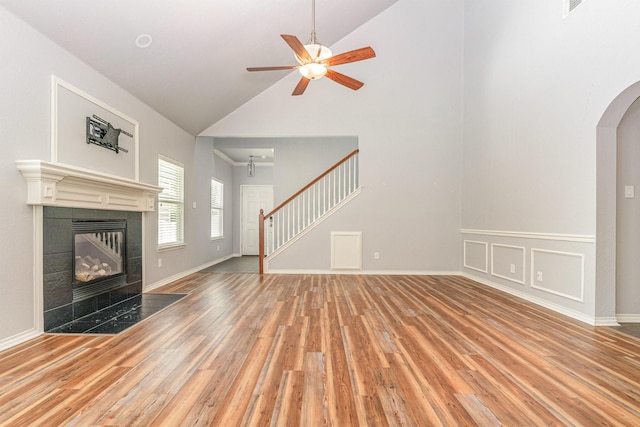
[[583, 238]]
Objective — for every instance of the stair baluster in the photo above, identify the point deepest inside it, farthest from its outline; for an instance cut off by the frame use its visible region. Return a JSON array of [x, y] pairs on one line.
[[308, 205]]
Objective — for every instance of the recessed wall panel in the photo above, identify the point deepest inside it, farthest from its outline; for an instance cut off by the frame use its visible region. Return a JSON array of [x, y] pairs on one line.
[[508, 262], [559, 273], [476, 255]]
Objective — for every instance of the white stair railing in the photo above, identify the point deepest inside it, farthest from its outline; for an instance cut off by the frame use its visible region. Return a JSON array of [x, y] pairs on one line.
[[308, 205]]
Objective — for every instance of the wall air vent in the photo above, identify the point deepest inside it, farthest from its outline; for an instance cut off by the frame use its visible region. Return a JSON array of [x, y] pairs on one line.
[[569, 6]]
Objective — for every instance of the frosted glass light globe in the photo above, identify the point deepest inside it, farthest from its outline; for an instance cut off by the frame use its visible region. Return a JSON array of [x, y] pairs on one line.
[[315, 69]]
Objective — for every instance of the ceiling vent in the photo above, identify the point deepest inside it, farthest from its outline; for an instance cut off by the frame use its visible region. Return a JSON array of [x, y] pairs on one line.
[[569, 6]]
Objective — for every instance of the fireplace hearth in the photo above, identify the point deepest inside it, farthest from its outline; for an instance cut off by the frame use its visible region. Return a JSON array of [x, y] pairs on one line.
[[120, 316], [92, 260]]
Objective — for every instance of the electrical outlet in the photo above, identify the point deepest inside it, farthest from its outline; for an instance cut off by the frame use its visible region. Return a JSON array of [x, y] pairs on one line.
[[512, 268], [217, 247], [376, 255], [629, 192], [539, 276], [159, 262]]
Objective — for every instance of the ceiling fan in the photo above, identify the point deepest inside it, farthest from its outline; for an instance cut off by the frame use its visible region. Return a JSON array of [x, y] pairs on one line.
[[315, 59]]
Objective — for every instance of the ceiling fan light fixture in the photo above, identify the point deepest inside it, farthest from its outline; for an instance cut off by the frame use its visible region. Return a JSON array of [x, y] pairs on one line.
[[314, 60], [313, 70], [251, 167], [317, 51]]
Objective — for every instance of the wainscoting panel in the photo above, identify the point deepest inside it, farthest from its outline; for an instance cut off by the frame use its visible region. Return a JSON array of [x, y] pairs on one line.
[[508, 262], [559, 273], [553, 270], [476, 255]]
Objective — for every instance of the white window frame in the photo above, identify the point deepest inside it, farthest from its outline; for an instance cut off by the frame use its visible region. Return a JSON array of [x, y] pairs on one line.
[[168, 199], [217, 206]]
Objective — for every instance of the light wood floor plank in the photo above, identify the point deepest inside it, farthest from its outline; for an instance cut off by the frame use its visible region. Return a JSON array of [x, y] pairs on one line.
[[314, 393], [341, 350], [290, 390], [342, 410]]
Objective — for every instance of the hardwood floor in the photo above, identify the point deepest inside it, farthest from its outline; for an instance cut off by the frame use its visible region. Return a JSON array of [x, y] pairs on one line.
[[338, 350], [241, 264]]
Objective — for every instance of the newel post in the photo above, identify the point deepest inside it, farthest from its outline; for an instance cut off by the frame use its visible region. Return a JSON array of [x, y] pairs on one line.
[[261, 240]]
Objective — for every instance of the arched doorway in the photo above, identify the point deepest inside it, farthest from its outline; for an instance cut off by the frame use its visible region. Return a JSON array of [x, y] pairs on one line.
[[606, 153]]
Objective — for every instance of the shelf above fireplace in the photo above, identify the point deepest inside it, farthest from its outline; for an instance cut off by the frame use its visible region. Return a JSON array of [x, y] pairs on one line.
[[58, 184]]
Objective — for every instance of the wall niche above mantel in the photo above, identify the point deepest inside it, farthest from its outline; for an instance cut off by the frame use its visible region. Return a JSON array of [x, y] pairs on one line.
[[58, 184]]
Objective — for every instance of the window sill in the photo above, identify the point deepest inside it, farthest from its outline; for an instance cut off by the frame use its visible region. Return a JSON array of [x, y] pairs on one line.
[[171, 246]]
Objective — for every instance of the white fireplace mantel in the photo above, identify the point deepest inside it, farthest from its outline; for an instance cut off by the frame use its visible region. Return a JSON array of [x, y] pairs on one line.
[[58, 184]]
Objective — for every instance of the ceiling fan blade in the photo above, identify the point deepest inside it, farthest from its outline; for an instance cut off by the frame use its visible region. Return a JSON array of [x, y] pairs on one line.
[[297, 47], [351, 56], [282, 67], [302, 85], [347, 81]]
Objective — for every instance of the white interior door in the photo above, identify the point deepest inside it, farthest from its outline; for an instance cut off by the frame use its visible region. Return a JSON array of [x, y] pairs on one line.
[[254, 198]]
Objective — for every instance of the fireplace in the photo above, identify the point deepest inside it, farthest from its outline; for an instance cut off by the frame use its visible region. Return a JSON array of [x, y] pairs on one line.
[[64, 195], [92, 260], [99, 260]]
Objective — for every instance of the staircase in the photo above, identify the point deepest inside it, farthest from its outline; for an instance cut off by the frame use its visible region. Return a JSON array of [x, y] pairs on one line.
[[305, 209]]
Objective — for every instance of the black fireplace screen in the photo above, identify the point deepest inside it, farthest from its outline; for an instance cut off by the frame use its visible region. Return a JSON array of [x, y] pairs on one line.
[[98, 248]]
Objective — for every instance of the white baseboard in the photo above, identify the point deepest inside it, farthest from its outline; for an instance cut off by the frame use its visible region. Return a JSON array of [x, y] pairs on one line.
[[19, 339], [178, 276], [368, 272], [539, 301], [628, 318], [606, 321]]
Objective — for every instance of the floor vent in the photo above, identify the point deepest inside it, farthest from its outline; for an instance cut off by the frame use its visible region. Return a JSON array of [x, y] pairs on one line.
[[571, 5]]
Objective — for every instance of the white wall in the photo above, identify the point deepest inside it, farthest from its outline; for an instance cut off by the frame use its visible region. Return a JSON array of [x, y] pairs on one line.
[[521, 184], [407, 118], [201, 165], [29, 60], [536, 86], [296, 162], [628, 215]]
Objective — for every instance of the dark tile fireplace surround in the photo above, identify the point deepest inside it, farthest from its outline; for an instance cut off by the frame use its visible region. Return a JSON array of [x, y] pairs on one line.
[[60, 306]]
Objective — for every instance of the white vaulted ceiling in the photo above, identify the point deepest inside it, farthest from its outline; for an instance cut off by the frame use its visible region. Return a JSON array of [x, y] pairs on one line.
[[194, 71]]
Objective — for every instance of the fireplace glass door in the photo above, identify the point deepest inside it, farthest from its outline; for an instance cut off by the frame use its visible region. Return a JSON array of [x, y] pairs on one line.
[[98, 251]]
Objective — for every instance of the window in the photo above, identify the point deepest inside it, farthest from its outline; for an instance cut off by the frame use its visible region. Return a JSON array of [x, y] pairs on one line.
[[170, 203], [217, 202]]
